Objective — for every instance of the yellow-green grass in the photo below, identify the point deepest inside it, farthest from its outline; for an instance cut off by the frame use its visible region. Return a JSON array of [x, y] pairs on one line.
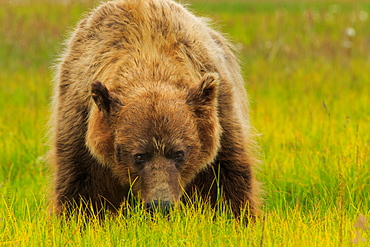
[[307, 64]]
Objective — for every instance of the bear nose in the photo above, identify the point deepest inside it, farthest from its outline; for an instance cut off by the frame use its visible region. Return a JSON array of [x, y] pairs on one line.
[[159, 206]]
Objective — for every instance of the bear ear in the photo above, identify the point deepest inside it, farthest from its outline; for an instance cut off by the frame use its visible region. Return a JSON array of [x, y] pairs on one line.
[[102, 98], [205, 94]]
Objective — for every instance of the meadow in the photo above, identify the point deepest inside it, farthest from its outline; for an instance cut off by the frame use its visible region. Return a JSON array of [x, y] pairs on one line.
[[307, 68]]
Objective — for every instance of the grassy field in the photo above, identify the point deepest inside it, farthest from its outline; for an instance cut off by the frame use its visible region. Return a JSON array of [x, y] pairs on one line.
[[307, 64]]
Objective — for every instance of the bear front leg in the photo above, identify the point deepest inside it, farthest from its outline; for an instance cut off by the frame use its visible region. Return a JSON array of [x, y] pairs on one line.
[[80, 181], [234, 171], [231, 174]]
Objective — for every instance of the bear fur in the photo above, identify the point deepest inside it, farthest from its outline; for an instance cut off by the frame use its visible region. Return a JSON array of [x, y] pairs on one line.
[[149, 99]]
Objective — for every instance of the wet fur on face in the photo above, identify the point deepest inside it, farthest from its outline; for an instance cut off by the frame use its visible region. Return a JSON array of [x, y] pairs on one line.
[[158, 123]]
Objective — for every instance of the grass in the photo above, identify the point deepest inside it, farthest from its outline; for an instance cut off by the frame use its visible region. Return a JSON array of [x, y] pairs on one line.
[[308, 80]]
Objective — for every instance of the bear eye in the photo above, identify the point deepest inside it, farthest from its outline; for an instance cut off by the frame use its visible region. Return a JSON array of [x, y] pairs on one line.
[[140, 158], [179, 155]]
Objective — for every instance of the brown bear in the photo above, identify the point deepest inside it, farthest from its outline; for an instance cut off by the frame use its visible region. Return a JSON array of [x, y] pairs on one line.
[[150, 100]]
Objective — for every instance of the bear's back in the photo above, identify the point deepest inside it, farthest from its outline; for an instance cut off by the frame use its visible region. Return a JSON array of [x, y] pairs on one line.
[[129, 43]]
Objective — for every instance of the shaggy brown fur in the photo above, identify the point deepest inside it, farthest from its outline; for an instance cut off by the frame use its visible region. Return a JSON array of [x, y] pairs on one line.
[[148, 96]]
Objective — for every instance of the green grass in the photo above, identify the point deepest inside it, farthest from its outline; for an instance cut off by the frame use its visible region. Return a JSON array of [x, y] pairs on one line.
[[309, 85]]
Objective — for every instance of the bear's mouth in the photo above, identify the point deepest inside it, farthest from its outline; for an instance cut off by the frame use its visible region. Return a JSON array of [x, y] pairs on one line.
[[158, 206]]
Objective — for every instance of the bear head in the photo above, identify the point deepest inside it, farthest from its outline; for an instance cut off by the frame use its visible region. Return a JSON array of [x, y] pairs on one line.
[[156, 138]]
